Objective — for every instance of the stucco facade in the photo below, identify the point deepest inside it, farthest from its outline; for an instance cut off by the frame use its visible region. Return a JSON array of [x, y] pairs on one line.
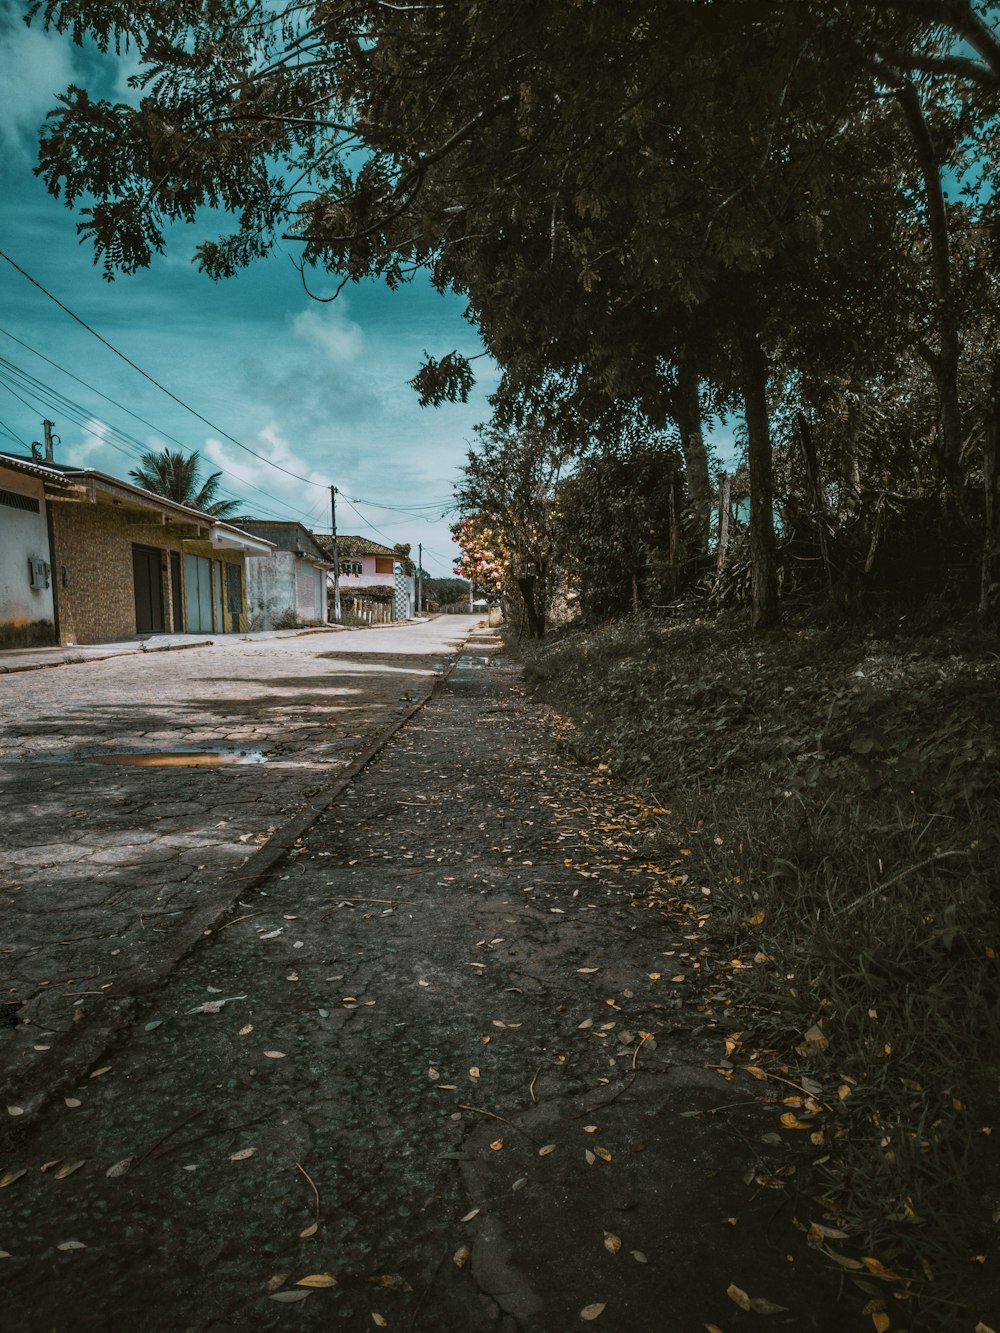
[[27, 611], [288, 585]]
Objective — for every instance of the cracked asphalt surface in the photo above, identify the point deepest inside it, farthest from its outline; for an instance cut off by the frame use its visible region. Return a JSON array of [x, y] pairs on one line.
[[434, 1062]]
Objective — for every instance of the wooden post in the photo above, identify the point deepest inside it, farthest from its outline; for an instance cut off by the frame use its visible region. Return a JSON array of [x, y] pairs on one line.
[[725, 489]]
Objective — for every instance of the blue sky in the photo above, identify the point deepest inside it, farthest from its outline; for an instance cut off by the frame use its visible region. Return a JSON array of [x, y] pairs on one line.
[[321, 390]]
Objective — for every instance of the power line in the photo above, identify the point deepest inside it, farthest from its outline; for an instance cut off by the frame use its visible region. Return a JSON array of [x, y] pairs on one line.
[[156, 383], [7, 431], [50, 399]]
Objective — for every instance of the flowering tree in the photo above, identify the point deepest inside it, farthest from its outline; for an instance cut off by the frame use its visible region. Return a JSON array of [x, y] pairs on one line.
[[506, 531]]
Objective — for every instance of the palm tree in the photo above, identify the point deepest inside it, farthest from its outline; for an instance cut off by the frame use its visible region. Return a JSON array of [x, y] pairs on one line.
[[174, 475]]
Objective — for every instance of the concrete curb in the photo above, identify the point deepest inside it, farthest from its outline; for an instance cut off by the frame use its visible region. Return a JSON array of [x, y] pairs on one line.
[[74, 1052]]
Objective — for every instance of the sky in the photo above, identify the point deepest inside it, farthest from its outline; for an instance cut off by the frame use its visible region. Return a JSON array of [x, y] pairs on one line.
[[320, 390]]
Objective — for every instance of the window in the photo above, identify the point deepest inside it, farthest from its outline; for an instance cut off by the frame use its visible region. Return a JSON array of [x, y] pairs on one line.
[[352, 567], [26, 502], [384, 564]]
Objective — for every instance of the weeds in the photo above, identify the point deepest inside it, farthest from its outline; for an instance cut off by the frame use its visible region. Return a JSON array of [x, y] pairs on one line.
[[839, 794]]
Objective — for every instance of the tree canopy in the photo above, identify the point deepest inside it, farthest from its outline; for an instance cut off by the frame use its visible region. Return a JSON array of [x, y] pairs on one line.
[[679, 207]]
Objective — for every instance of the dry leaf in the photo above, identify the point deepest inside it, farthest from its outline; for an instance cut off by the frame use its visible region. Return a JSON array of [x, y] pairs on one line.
[[544, 1152], [461, 1256], [242, 1155], [275, 1055], [433, 1074], [9, 1177], [587, 970], [71, 1245], [639, 1257], [309, 1231], [15, 1110], [246, 1029], [378, 1320], [469, 1216], [591, 1129], [394, 1282], [287, 1297], [121, 1168], [98, 1072], [612, 1243], [592, 1311], [71, 1101], [603, 1154], [878, 1269], [278, 1280], [591, 1159], [496, 1145], [982, 1328], [318, 1280], [882, 1321], [68, 1168], [761, 1305], [738, 1296], [587, 1023], [474, 1072]]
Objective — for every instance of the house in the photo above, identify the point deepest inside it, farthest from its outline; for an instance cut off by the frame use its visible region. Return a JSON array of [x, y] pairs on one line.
[[122, 562], [286, 587], [27, 607], [376, 581]]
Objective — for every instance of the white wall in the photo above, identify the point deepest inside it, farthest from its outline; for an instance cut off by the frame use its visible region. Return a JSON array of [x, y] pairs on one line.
[[23, 536]]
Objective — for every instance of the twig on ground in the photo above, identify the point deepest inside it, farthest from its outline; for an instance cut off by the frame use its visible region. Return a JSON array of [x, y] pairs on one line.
[[531, 1085], [312, 1183], [236, 920]]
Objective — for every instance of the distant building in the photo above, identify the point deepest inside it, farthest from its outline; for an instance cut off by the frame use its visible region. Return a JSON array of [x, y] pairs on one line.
[[286, 587], [376, 582]]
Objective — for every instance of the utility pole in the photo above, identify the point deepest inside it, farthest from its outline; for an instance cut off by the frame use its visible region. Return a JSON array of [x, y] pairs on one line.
[[36, 448], [420, 572], [333, 555]]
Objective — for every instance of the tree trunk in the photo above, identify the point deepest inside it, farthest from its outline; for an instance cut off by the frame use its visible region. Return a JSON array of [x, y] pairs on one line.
[[945, 363], [763, 566], [816, 496], [535, 616], [989, 601], [687, 414], [725, 490]]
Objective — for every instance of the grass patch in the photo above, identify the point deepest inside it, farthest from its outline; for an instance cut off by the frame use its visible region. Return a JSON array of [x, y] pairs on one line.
[[839, 794]]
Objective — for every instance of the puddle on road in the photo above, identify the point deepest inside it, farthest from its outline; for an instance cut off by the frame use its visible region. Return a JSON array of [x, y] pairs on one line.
[[177, 758]]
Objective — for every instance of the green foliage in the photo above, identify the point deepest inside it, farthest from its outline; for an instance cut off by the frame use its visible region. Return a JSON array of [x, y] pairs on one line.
[[174, 475], [614, 528]]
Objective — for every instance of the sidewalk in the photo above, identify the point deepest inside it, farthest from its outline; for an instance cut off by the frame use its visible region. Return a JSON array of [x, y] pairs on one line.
[[447, 1069]]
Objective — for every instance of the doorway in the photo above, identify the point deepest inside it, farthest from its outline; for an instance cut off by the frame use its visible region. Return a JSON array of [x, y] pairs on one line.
[[147, 579]]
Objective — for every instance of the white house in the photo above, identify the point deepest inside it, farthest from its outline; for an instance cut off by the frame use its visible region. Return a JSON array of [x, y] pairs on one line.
[[288, 586], [27, 609]]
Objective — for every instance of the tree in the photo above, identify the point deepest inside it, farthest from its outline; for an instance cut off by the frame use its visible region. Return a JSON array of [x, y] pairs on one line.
[[506, 531], [174, 475], [674, 213]]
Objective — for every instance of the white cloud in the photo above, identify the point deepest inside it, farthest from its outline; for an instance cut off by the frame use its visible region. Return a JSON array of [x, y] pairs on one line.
[[331, 330], [275, 490], [36, 66]]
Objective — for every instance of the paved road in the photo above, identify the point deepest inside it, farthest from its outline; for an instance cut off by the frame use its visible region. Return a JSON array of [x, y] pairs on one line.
[[108, 871], [438, 1065]]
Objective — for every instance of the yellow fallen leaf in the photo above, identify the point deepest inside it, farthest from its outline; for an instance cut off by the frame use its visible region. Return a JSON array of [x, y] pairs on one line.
[[461, 1256], [68, 1168], [593, 1311], [756, 1071], [983, 1328], [319, 1280], [603, 1154], [378, 1320], [496, 1145], [246, 1029], [9, 1177], [738, 1296], [881, 1321], [544, 1152], [474, 1072], [878, 1269], [612, 1243], [309, 1231]]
